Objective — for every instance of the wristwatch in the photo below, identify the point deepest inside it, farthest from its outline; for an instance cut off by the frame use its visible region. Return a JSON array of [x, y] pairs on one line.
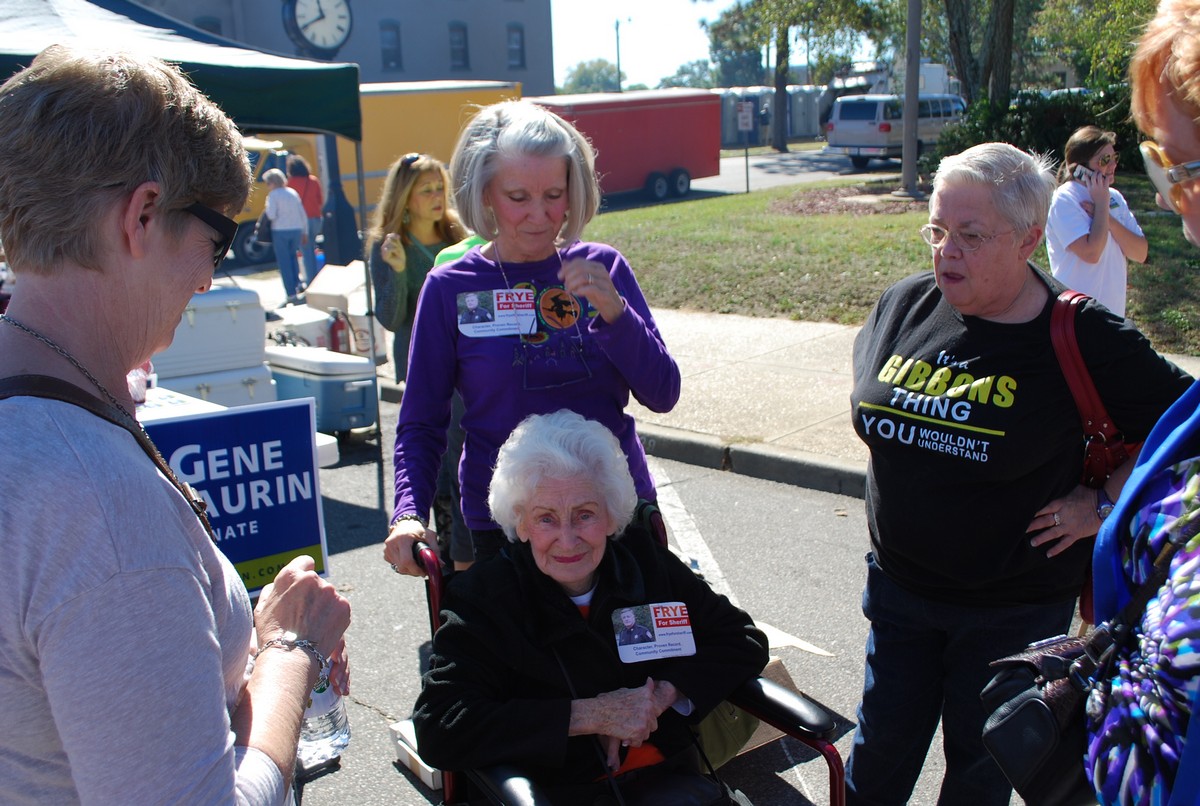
[[1104, 505]]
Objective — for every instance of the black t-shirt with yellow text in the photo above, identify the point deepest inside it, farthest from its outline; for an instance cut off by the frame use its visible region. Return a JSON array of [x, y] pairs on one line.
[[972, 429]]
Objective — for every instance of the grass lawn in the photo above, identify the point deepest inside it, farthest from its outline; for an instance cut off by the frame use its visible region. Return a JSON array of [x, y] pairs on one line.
[[778, 253]]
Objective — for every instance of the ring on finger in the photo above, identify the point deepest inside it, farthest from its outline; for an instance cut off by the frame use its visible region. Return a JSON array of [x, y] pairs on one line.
[[1057, 520]]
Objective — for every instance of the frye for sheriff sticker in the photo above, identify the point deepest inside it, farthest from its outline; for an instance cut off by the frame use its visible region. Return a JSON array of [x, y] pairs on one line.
[[653, 631], [501, 312]]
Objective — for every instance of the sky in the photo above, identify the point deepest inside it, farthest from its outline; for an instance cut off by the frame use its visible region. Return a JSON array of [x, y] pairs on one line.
[[657, 36]]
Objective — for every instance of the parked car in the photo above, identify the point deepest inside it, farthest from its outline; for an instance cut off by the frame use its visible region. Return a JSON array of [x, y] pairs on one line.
[[872, 126]]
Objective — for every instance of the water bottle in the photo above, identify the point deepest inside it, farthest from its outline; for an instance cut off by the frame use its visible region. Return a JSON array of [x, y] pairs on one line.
[[325, 732]]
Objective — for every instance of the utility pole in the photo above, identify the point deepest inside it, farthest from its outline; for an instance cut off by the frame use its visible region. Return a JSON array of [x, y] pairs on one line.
[[617, 27], [912, 90]]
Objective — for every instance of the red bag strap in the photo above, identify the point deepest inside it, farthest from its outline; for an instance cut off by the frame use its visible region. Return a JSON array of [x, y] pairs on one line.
[[1104, 445], [1096, 422]]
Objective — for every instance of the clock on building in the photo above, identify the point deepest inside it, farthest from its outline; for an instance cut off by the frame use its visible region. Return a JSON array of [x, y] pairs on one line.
[[318, 27]]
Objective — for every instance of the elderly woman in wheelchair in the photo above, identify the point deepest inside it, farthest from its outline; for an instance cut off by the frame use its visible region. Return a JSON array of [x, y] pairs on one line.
[[527, 668]]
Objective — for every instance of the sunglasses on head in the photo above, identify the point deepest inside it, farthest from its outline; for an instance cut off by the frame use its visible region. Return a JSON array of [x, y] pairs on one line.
[[408, 159], [1167, 178], [225, 227]]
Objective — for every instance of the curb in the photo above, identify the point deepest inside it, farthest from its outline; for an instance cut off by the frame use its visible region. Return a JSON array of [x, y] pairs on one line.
[[760, 461]]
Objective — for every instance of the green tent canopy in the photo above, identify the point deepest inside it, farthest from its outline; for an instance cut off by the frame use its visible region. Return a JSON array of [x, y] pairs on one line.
[[261, 91]]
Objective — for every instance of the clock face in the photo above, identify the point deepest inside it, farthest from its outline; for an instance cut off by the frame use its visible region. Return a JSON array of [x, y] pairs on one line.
[[323, 24]]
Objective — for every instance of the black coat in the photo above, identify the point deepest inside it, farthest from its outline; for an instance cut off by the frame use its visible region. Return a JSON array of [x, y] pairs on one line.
[[495, 691]]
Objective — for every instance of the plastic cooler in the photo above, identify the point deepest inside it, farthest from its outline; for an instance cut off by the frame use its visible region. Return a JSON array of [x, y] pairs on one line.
[[344, 288], [219, 330], [342, 385], [229, 387]]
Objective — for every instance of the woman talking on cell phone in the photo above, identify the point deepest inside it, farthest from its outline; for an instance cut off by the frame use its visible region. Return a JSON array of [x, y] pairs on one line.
[[1091, 232]]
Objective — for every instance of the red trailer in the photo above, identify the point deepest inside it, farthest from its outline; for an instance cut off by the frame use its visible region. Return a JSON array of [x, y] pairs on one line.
[[656, 140]]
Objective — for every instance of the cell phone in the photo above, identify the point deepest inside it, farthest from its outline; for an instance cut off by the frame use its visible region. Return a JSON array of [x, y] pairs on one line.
[[1082, 173]]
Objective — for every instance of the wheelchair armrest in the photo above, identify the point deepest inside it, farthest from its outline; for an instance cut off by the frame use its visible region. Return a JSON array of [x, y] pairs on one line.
[[783, 709], [505, 783]]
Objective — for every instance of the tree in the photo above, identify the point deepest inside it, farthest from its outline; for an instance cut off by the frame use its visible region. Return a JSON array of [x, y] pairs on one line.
[[1094, 38], [983, 64], [597, 75], [827, 27], [735, 43], [693, 74]]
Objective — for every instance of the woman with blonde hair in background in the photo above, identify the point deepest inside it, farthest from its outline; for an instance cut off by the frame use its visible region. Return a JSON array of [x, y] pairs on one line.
[[411, 224]]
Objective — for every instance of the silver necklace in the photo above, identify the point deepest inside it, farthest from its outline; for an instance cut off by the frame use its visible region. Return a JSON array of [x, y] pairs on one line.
[[70, 358]]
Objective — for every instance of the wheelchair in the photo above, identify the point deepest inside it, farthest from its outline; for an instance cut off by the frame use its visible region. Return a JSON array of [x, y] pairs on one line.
[[770, 702]]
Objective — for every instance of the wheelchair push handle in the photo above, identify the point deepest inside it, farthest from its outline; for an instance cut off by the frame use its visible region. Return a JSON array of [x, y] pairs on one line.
[[427, 557]]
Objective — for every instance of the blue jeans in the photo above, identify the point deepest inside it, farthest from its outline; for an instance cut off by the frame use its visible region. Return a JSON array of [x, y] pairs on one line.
[[928, 660], [309, 250], [286, 242]]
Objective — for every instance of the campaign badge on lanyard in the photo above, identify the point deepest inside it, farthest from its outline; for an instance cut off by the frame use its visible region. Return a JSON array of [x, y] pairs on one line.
[[501, 312], [653, 632]]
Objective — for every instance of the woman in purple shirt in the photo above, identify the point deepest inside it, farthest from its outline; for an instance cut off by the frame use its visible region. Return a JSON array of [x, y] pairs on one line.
[[569, 325]]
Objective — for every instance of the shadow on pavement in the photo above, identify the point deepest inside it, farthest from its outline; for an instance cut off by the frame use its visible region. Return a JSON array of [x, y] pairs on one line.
[[350, 526]]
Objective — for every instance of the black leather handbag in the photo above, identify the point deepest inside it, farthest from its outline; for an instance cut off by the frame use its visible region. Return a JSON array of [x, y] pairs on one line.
[[1037, 726]]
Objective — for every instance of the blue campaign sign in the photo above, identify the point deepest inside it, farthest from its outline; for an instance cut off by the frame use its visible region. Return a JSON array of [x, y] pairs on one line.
[[256, 469]]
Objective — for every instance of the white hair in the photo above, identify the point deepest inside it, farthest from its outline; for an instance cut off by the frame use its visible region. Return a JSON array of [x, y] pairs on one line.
[[1022, 184], [561, 445]]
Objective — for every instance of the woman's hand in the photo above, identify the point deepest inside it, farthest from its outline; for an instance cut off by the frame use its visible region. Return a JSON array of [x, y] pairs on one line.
[[1065, 520], [625, 717], [1097, 187], [392, 250], [299, 601], [398, 547], [589, 280]]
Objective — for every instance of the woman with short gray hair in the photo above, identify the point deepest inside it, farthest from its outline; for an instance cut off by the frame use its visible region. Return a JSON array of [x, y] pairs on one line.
[[979, 525], [560, 323], [132, 667]]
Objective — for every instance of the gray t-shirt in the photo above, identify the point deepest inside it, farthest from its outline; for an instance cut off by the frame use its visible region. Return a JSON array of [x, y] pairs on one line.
[[125, 635]]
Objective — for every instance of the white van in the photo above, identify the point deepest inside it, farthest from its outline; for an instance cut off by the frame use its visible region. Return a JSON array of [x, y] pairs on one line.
[[866, 126]]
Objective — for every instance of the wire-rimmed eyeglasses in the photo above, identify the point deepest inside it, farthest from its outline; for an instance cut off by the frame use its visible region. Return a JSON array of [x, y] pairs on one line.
[[1165, 176], [967, 241]]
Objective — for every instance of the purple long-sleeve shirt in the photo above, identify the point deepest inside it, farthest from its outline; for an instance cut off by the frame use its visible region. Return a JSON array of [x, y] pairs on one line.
[[585, 365]]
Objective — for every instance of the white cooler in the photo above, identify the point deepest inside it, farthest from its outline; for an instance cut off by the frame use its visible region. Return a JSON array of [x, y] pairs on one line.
[[344, 288], [343, 386], [334, 285], [219, 330], [230, 387]]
